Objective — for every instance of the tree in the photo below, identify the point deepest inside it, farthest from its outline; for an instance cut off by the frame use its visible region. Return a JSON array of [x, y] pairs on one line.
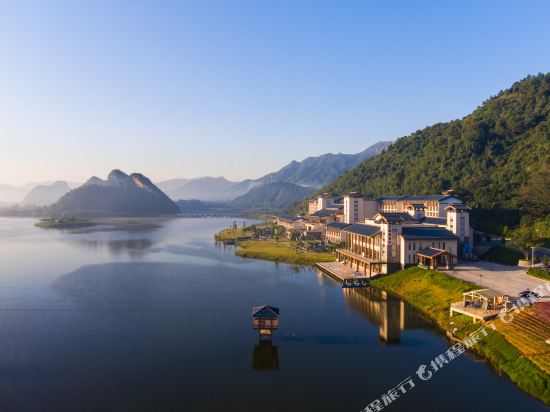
[[536, 195], [524, 238]]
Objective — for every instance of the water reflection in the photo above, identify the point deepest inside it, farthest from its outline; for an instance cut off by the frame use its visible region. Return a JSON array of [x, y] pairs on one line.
[[380, 308], [265, 356], [118, 247]]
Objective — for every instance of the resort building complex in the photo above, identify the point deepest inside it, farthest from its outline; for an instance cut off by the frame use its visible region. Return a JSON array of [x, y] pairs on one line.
[[385, 234]]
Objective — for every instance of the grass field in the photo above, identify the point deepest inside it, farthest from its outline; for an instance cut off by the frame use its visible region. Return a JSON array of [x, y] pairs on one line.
[[281, 251], [233, 234], [503, 255], [517, 348], [430, 291], [539, 273]]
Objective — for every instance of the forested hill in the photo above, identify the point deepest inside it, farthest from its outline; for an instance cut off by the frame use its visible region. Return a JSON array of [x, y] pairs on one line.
[[272, 196], [487, 156]]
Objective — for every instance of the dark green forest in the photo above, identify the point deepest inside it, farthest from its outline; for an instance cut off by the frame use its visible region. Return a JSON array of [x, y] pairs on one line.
[[488, 157]]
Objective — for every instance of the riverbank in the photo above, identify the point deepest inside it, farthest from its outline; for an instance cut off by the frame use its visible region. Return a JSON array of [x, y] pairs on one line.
[[233, 235], [63, 223], [104, 224], [281, 251], [432, 292]]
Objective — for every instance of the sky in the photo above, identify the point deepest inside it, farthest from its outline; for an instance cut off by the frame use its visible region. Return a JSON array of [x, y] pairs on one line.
[[182, 89]]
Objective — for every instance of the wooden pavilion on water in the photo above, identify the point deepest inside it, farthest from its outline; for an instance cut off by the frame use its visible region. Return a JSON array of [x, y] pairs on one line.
[[265, 319]]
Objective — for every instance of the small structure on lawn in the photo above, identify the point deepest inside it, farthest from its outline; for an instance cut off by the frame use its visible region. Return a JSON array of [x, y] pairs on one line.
[[482, 304], [265, 319], [432, 258]]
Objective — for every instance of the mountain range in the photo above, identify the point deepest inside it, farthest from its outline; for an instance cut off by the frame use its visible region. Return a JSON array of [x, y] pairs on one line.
[[312, 172], [10, 195], [487, 157], [45, 195], [119, 195], [270, 197]]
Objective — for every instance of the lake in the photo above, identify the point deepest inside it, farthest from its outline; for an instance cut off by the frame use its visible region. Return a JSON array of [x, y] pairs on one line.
[[159, 319]]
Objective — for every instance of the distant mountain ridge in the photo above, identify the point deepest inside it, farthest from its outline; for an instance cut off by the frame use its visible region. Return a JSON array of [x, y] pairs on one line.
[[45, 195], [11, 195], [271, 196], [311, 172], [320, 170], [119, 195], [212, 189]]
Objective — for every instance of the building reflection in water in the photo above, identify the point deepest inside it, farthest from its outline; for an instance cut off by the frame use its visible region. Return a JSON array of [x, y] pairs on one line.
[[265, 356], [380, 308]]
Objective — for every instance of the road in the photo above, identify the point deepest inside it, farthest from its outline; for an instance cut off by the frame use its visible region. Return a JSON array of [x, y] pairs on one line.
[[509, 280]]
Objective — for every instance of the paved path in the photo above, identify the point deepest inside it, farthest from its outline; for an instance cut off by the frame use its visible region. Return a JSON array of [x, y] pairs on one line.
[[509, 280]]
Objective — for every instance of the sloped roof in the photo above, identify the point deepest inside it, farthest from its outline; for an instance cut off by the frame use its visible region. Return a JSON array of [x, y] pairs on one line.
[[396, 217], [389, 198], [434, 220], [324, 212], [362, 229], [421, 198], [338, 225], [427, 233], [288, 217], [457, 207], [433, 252], [265, 311], [487, 293]]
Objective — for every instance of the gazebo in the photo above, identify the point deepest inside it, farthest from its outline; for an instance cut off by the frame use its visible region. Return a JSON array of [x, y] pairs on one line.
[[482, 304], [265, 319], [485, 299], [432, 258]]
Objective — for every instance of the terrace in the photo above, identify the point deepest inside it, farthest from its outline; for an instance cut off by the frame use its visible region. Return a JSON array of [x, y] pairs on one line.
[[483, 304]]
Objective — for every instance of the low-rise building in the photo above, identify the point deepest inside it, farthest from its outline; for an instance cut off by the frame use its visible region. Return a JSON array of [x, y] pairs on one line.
[[325, 201], [290, 222], [334, 232]]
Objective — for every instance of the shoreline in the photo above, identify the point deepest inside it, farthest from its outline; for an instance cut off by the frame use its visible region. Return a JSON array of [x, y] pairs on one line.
[[278, 251], [499, 353]]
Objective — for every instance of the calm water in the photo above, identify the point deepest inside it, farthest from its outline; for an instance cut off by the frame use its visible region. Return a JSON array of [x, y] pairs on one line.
[[160, 320]]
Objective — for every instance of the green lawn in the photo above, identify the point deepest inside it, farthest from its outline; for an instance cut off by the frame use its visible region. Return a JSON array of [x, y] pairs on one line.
[[282, 251], [232, 234], [503, 255], [539, 273], [432, 292]]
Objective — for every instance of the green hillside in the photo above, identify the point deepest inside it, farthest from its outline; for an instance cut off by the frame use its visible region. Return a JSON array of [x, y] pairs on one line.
[[272, 196], [487, 157]]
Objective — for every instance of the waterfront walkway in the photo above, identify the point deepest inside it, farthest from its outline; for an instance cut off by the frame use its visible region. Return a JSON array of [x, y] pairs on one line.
[[343, 273]]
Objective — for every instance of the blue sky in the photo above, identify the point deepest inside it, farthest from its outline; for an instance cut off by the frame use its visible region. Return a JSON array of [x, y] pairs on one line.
[[240, 88]]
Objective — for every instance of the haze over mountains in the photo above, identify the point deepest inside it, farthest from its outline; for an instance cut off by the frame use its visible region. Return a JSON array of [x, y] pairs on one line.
[[45, 195], [10, 195], [270, 197], [312, 172]]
